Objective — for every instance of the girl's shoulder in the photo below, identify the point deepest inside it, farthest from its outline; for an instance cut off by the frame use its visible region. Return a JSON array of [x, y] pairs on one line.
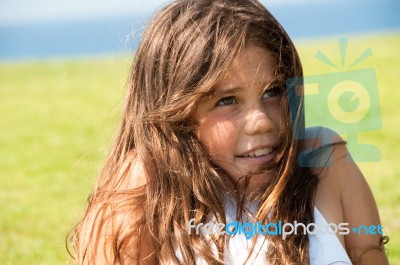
[[322, 156], [344, 196], [112, 228]]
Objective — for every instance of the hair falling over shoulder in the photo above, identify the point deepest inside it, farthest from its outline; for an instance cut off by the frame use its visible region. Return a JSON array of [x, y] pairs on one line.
[[157, 175]]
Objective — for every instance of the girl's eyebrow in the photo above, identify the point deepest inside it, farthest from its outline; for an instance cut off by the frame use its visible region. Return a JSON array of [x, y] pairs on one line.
[[225, 91], [272, 83], [276, 81]]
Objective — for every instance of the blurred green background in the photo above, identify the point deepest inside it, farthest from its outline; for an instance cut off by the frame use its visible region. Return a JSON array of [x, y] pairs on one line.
[[58, 118]]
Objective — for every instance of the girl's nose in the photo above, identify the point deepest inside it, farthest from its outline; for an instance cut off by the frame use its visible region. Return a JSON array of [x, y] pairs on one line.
[[258, 121]]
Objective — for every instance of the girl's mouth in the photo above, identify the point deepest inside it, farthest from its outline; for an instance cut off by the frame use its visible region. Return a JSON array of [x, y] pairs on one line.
[[258, 156], [258, 152]]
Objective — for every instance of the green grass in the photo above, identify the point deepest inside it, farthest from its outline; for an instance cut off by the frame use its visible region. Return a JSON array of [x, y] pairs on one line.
[[58, 117]]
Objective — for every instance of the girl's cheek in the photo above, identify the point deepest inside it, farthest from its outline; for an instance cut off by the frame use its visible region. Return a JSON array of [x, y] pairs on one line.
[[217, 134], [277, 114]]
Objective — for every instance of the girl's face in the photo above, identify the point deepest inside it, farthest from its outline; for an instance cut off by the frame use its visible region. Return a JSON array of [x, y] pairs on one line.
[[240, 123]]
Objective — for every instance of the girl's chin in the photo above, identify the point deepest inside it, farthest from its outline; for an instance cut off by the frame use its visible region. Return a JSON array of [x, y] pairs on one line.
[[258, 182]]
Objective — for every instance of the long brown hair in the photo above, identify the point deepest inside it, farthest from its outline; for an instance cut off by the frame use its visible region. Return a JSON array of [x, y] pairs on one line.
[[186, 50]]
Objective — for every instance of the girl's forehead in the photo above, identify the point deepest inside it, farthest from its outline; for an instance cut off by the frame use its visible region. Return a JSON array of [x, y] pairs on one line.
[[250, 57], [251, 60]]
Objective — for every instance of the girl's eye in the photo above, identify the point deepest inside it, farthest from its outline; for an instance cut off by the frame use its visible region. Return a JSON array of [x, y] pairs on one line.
[[226, 101], [272, 92]]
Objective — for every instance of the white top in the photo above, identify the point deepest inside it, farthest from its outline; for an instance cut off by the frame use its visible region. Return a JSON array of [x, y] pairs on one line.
[[325, 248]]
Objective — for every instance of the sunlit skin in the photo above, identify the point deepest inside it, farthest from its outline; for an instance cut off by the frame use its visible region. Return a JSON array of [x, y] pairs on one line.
[[243, 115]]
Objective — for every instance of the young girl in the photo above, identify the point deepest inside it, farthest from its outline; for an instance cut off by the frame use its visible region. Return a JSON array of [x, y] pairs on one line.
[[208, 136]]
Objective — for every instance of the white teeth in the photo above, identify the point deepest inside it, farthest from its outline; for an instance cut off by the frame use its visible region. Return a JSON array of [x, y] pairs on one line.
[[260, 152]]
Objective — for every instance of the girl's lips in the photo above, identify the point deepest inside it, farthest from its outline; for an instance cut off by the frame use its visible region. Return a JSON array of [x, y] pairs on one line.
[[257, 160]]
